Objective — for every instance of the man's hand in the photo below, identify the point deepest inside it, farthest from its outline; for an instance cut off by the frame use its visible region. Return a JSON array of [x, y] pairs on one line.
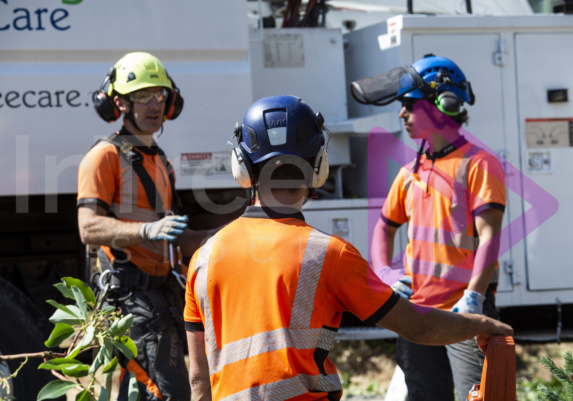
[[470, 302], [168, 228], [498, 328], [404, 287]]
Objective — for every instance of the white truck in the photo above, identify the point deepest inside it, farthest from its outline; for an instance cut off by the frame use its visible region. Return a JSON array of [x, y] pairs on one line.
[[55, 54]]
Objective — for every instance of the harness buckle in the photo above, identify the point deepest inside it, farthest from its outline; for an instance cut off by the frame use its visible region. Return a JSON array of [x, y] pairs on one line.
[[126, 147]]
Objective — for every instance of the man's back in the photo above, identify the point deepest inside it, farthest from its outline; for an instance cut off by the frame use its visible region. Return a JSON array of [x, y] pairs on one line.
[[271, 291]]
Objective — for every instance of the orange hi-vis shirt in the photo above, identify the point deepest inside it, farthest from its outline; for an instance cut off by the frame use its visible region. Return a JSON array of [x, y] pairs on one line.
[[107, 180], [440, 202], [269, 291]]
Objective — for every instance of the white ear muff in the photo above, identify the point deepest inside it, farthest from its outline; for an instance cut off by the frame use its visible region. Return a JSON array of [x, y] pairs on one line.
[[321, 169], [242, 171]]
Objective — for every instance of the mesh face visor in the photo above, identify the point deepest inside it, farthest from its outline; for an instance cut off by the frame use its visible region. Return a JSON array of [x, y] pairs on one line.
[[385, 88]]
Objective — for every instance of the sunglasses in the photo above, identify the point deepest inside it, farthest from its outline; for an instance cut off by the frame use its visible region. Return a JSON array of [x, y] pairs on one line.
[[408, 103], [145, 96]]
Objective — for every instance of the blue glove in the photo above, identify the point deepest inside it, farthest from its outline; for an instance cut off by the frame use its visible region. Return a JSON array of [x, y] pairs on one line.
[[404, 287], [471, 302], [168, 228]]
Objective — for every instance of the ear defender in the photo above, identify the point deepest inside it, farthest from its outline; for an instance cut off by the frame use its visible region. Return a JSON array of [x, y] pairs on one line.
[[320, 168], [240, 163], [448, 103], [103, 103], [241, 168], [174, 103]]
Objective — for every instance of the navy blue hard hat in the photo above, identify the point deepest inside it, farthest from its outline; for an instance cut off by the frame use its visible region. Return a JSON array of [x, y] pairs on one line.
[[435, 69], [281, 125]]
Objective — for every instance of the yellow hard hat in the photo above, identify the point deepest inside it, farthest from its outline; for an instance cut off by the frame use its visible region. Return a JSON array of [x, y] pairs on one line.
[[137, 71]]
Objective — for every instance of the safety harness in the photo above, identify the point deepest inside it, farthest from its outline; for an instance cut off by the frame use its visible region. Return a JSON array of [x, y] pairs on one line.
[[134, 158], [122, 281]]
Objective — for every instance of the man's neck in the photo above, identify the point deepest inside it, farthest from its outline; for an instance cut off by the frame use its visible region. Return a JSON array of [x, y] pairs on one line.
[[440, 142], [144, 137], [281, 199]]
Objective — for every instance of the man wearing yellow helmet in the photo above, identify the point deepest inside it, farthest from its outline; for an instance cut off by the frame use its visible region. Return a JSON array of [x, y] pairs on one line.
[[127, 204]]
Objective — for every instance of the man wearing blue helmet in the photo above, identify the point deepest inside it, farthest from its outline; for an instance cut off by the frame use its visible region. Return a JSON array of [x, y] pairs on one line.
[[453, 198], [266, 294]]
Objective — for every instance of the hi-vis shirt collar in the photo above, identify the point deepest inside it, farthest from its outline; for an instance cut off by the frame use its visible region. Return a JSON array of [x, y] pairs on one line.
[[256, 212], [140, 146], [458, 143]]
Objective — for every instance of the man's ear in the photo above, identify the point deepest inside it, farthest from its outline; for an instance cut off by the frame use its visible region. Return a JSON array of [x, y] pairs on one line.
[[122, 104]]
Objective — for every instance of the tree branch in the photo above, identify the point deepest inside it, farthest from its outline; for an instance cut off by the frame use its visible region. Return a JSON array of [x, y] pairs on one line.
[[45, 354]]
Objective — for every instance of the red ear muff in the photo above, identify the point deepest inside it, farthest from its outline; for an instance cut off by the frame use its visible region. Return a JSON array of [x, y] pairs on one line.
[[174, 103], [103, 104], [105, 107]]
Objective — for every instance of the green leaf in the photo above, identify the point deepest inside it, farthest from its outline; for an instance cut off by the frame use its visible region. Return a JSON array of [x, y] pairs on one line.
[[108, 309], [103, 395], [83, 287], [88, 337], [108, 355], [60, 316], [569, 362], [126, 346], [59, 306], [55, 389], [98, 361], [133, 388], [77, 370], [110, 367], [84, 396], [120, 326], [66, 292], [81, 301], [59, 334], [75, 351], [76, 311], [58, 364]]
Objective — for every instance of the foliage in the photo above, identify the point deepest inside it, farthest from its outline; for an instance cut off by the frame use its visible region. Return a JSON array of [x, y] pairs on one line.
[[563, 375], [92, 328]]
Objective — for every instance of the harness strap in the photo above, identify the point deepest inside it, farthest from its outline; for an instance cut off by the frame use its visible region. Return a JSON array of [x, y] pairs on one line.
[[135, 159]]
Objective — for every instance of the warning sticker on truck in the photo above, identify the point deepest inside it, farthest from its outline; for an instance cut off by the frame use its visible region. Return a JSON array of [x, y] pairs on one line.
[[392, 38], [549, 132], [206, 163]]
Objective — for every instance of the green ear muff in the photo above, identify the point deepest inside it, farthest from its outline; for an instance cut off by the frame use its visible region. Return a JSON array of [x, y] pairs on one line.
[[449, 104]]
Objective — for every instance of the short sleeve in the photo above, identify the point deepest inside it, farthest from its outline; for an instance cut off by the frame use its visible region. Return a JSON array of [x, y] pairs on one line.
[[394, 208], [98, 176], [191, 314], [358, 290], [486, 184]]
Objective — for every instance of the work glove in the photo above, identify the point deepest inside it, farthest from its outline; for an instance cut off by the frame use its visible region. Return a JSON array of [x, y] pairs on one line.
[[404, 287], [471, 302], [168, 228]]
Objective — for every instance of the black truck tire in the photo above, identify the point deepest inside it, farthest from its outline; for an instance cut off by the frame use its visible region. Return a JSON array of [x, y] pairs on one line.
[[23, 330]]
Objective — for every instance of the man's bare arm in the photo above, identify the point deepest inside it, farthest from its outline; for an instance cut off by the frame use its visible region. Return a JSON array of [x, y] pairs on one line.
[[98, 229], [488, 224], [198, 366], [383, 244], [429, 326]]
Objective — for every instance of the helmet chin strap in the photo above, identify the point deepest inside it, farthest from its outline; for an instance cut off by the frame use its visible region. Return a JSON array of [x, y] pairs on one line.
[[130, 117]]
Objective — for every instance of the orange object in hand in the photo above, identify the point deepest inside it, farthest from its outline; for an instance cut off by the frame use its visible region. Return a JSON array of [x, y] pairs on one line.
[[498, 375]]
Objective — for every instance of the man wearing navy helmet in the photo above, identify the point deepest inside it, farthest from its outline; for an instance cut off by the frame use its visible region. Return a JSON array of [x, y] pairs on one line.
[[453, 198], [265, 295]]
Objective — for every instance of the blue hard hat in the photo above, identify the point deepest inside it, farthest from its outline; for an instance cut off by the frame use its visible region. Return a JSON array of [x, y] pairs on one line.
[[281, 125], [444, 72]]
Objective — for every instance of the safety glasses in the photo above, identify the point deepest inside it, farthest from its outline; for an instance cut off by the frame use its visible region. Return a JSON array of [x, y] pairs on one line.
[[408, 103], [145, 96]]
